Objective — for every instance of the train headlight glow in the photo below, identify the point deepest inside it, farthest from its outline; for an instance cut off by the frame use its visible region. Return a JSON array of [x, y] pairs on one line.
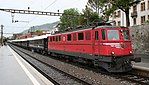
[[112, 53], [130, 52]]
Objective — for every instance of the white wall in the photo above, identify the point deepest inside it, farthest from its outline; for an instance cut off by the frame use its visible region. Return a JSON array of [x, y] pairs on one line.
[[139, 14]]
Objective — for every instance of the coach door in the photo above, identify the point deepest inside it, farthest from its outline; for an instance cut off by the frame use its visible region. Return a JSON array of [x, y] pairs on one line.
[[96, 42]]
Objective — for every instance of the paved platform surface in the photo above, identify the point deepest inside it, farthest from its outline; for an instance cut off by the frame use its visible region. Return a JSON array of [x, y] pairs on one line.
[[144, 62], [16, 71]]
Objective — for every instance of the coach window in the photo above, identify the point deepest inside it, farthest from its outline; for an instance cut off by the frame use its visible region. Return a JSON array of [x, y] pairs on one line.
[[80, 36], [96, 35], [103, 34], [74, 37], [69, 37], [88, 35]]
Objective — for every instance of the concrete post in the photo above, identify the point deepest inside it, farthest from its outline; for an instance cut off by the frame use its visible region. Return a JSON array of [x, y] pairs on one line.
[[2, 35]]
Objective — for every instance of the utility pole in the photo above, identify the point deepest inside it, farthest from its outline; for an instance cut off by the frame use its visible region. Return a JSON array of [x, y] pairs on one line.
[[2, 35]]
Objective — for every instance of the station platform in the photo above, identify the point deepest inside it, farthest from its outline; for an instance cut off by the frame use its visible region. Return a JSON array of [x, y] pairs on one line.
[[16, 71], [144, 64]]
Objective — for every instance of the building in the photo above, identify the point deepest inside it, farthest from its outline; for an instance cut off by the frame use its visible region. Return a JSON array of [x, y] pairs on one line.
[[15, 36], [139, 14]]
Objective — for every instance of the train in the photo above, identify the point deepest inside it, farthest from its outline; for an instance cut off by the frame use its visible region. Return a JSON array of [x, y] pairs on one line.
[[105, 46]]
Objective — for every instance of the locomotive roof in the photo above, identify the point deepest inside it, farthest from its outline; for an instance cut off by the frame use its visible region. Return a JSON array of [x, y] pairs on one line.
[[107, 26], [45, 36], [98, 27]]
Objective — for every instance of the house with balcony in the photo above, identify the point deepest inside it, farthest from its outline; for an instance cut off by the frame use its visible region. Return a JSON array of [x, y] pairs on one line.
[[139, 14]]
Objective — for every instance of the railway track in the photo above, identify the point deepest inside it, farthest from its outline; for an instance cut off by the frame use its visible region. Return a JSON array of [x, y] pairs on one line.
[[55, 75], [132, 78], [136, 78]]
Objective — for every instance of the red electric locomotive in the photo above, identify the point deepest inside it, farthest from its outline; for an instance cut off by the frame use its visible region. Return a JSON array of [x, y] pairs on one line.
[[105, 46]]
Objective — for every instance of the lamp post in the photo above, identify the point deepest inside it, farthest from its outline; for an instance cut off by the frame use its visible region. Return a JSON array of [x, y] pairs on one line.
[[2, 35]]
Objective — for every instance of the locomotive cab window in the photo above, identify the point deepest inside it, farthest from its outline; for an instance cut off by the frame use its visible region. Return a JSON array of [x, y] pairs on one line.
[[126, 34], [113, 34], [96, 35], [80, 36], [69, 37]]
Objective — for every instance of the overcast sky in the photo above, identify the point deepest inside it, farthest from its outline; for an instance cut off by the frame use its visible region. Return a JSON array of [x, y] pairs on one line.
[[33, 20]]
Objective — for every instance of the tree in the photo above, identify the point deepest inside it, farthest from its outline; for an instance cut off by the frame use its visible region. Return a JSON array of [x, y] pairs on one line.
[[38, 31], [89, 17], [96, 4], [69, 18], [72, 18], [123, 5]]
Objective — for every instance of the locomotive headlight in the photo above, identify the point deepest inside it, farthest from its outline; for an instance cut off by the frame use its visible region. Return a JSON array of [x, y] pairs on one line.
[[112, 53], [130, 52]]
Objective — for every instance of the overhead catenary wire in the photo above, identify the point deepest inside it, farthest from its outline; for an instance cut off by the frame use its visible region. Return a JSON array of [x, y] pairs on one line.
[[45, 8], [50, 4]]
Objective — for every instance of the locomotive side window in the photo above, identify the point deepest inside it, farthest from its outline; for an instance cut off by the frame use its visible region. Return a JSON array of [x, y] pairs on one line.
[[103, 34], [126, 35], [56, 38], [80, 36], [59, 38], [74, 37], [113, 35], [53, 38], [50, 39], [69, 37], [96, 35], [88, 35]]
